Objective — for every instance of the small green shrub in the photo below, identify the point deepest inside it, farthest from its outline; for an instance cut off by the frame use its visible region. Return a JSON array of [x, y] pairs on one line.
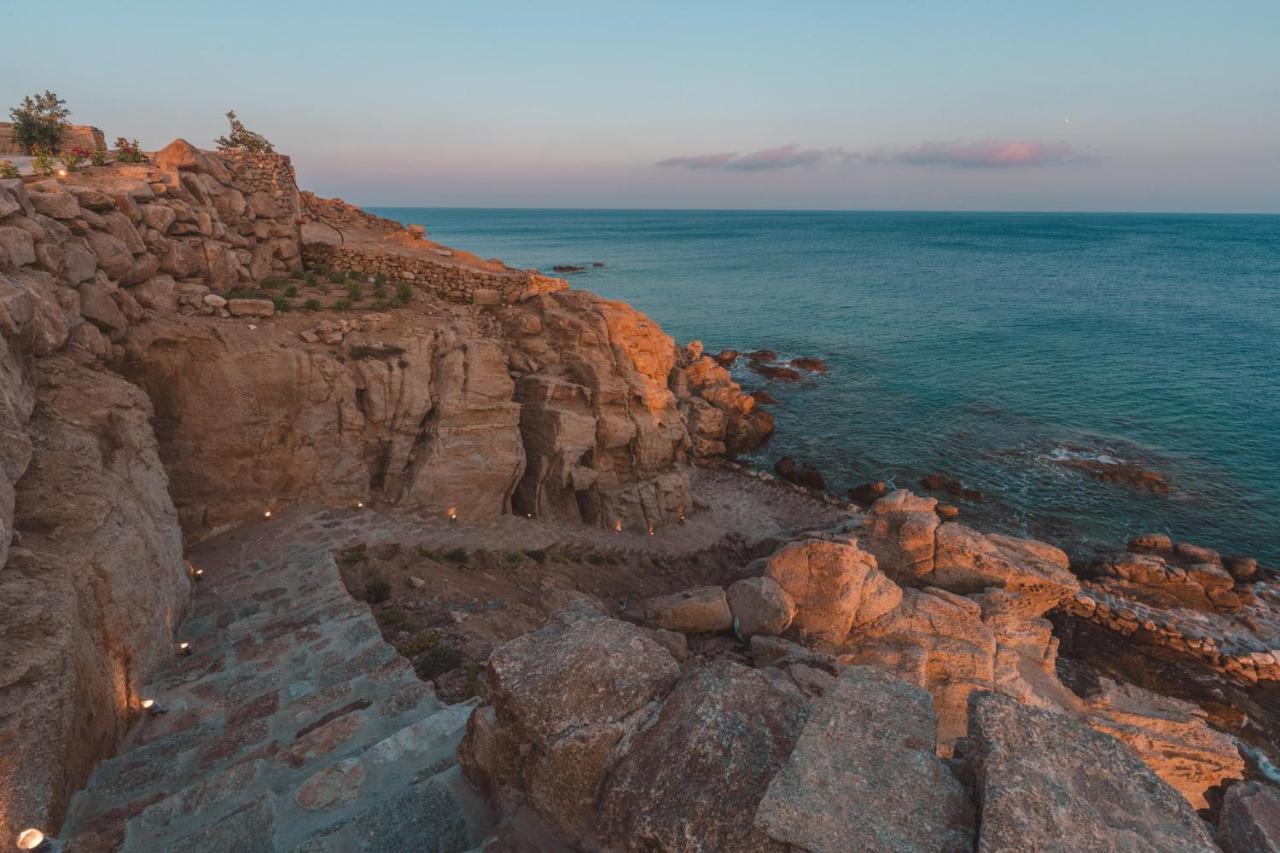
[[437, 660], [404, 292], [342, 305], [379, 293], [423, 642], [351, 556], [243, 139], [7, 169], [282, 304], [457, 555], [291, 290], [353, 289], [378, 304], [536, 554], [355, 275], [336, 277], [475, 685], [377, 590], [394, 617], [379, 279], [310, 279], [43, 162], [38, 122], [98, 157], [514, 557], [270, 282], [312, 304]]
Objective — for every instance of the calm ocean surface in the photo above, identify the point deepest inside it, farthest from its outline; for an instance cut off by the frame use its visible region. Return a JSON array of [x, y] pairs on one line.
[[987, 346]]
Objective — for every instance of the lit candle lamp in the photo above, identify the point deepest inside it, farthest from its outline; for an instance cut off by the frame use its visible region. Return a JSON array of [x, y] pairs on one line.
[[32, 839], [198, 574], [359, 504], [184, 649], [267, 514], [453, 513], [617, 526], [152, 707], [650, 529]]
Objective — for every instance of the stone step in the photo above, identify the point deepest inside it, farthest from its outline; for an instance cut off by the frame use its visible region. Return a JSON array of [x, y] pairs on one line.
[[327, 775]]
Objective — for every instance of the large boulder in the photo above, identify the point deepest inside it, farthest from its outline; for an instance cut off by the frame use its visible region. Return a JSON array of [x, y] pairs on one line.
[[563, 697], [760, 606], [694, 777], [864, 775], [900, 529], [1250, 821], [1046, 782], [966, 561], [835, 586]]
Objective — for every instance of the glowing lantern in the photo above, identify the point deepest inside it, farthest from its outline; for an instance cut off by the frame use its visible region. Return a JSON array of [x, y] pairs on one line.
[[267, 514], [32, 839], [453, 513], [184, 648], [359, 504], [152, 707], [617, 527], [650, 529]]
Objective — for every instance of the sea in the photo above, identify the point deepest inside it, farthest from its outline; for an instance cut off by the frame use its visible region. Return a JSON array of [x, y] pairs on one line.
[[995, 348]]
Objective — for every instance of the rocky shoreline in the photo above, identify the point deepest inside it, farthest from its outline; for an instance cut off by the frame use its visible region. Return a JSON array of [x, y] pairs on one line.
[[186, 353]]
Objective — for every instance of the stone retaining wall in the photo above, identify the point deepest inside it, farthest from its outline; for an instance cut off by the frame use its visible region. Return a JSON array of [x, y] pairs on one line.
[[460, 284]]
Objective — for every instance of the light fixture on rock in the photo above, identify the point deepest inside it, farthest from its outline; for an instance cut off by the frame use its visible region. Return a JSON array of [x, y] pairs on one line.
[[32, 839], [453, 514], [152, 707], [184, 648]]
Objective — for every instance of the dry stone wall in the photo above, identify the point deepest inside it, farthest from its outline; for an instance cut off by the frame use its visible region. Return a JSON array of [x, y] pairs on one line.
[[460, 284]]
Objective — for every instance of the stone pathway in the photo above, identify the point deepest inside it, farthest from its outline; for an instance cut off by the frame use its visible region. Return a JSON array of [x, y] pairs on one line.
[[291, 726]]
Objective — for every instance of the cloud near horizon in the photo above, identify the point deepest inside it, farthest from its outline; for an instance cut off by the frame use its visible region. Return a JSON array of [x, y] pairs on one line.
[[991, 154], [784, 157]]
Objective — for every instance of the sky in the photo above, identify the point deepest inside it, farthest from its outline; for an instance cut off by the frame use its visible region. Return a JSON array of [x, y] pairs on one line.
[[1124, 105]]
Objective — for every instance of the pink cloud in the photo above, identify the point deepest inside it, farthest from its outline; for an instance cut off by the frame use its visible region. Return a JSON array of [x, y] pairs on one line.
[[993, 154], [783, 157]]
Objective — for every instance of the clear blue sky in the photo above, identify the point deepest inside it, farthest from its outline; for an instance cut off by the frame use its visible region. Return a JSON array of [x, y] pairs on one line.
[[1122, 105]]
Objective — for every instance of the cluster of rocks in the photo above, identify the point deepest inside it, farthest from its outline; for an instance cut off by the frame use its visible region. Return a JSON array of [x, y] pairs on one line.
[[1188, 600], [722, 420], [456, 282], [952, 611], [597, 737]]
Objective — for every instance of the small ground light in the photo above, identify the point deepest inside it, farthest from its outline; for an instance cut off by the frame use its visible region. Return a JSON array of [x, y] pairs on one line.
[[32, 839], [152, 707], [198, 574], [650, 529], [267, 514], [453, 513], [185, 649], [617, 527], [359, 504]]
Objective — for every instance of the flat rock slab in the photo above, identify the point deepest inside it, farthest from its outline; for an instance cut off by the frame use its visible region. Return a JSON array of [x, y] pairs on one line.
[[865, 776]]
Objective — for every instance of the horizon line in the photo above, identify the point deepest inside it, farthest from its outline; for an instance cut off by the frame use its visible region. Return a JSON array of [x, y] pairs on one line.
[[819, 210]]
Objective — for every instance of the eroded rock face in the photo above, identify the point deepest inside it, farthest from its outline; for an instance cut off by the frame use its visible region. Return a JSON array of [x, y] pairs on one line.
[[1047, 782], [1170, 735], [722, 419], [90, 599]]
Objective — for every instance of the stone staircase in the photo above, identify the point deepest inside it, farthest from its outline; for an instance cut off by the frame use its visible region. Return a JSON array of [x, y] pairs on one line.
[[291, 725]]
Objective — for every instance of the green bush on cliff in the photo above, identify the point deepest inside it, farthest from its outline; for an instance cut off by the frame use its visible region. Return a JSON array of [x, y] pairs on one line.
[[377, 591], [282, 304], [291, 290], [404, 292], [438, 660], [312, 304], [337, 277], [7, 169], [38, 122], [342, 304], [242, 139], [43, 163]]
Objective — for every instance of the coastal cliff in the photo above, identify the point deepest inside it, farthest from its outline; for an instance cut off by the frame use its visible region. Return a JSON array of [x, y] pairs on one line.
[[192, 347]]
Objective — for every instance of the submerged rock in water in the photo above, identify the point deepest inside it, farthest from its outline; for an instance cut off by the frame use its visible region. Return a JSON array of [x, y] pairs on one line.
[[726, 357], [868, 493], [809, 363], [1122, 474], [773, 371]]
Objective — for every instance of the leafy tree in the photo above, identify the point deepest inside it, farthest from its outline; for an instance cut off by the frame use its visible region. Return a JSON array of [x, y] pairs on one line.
[[243, 139], [38, 122]]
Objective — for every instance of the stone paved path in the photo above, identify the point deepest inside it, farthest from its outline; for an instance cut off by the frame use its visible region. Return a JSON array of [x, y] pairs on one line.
[[291, 726]]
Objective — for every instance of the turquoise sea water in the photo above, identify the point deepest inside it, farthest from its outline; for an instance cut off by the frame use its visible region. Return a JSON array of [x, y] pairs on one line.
[[987, 346]]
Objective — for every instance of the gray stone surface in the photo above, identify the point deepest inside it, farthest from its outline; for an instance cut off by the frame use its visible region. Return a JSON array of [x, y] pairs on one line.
[[864, 775]]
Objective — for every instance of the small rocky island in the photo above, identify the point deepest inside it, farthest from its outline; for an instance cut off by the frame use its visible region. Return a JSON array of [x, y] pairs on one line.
[[316, 535]]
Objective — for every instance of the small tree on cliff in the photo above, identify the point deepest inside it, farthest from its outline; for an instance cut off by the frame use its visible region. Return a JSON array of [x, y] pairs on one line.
[[38, 122], [243, 139]]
